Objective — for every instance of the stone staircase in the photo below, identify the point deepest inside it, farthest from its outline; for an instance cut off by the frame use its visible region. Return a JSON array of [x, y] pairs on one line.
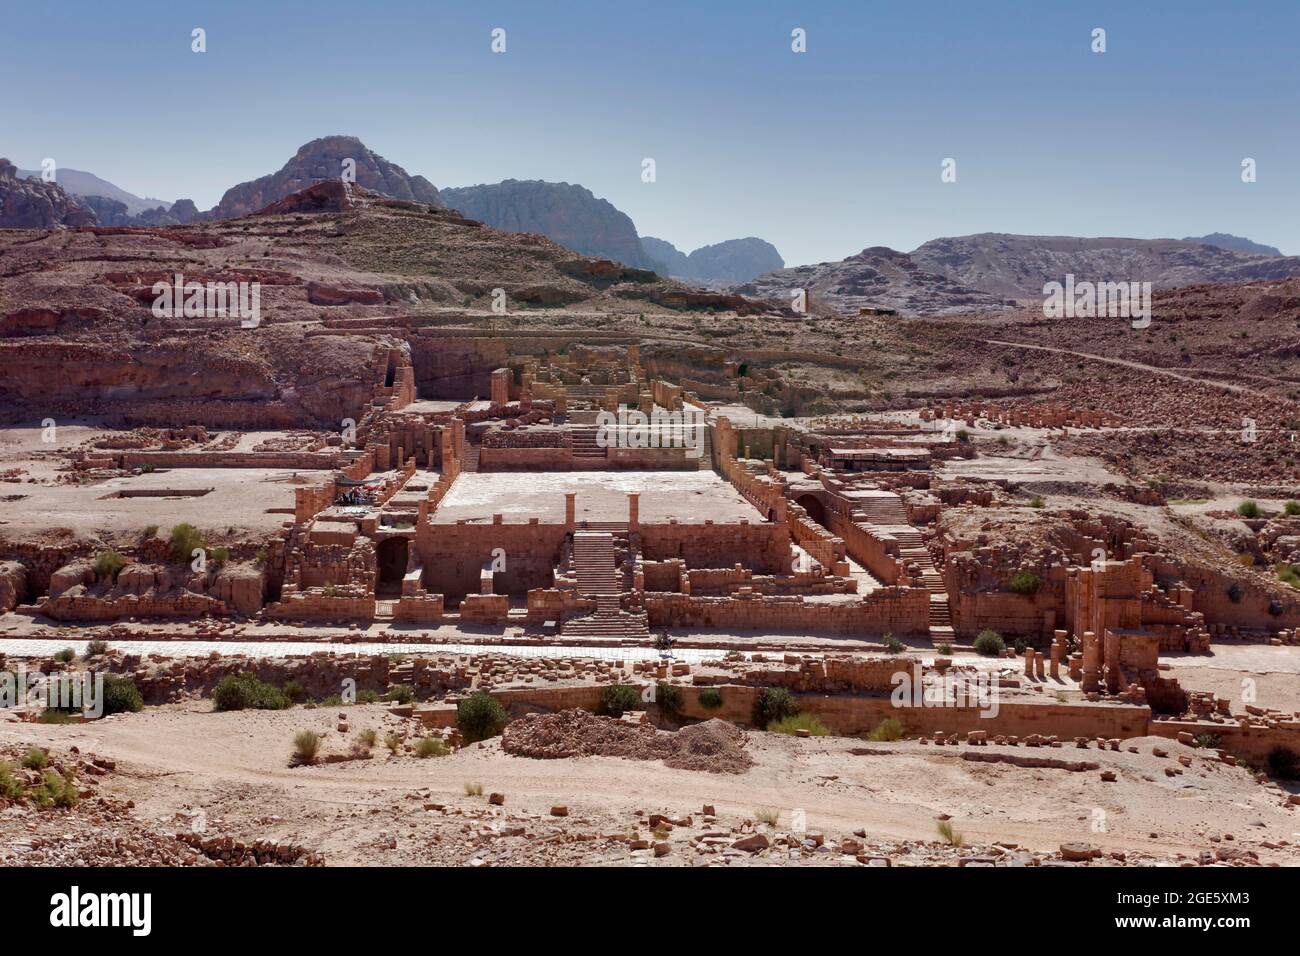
[[585, 445], [886, 511], [594, 565], [470, 460]]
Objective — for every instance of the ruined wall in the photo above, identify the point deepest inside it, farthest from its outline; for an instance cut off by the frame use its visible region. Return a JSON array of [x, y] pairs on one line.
[[900, 611], [454, 555], [763, 547]]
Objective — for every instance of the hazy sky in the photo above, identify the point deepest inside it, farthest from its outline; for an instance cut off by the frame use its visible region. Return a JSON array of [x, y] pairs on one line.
[[823, 153]]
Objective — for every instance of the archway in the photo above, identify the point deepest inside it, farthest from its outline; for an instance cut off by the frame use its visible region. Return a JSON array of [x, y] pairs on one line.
[[816, 510], [391, 557]]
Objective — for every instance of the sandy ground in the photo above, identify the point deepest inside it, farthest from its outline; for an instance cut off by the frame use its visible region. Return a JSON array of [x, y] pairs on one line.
[[688, 496], [248, 499], [236, 768]]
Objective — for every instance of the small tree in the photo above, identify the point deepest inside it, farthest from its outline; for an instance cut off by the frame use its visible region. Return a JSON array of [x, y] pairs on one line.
[[1024, 582], [773, 704], [107, 564], [480, 716], [989, 644], [617, 699], [185, 540], [669, 698], [710, 698], [121, 696]]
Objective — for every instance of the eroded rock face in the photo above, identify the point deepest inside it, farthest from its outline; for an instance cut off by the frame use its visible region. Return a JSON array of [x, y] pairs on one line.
[[13, 585], [568, 214], [35, 204], [241, 587], [321, 160]]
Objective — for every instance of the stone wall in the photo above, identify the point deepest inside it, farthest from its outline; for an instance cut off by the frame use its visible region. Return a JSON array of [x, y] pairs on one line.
[[893, 610]]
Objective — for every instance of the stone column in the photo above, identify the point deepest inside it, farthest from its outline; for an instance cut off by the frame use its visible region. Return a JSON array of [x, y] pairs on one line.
[[1091, 662], [570, 509], [633, 510]]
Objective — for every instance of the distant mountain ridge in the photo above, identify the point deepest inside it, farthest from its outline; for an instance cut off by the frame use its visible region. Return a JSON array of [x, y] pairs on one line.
[[82, 184], [1236, 243], [734, 260], [564, 212]]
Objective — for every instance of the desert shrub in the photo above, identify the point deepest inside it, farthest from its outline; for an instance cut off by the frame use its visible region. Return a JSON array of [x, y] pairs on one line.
[[401, 693], [1209, 741], [367, 696], [1248, 509], [35, 759], [219, 555], [11, 788], [669, 698], [800, 721], [430, 747], [943, 647], [767, 815], [1021, 644], [887, 729], [1292, 508], [473, 789], [332, 700], [96, 649], [368, 737], [1284, 763], [393, 741], [949, 835], [306, 745], [773, 704], [617, 699], [294, 690], [121, 696], [1289, 574], [1036, 502], [480, 716], [710, 698], [261, 556], [55, 791], [184, 540], [149, 533], [246, 692], [892, 644], [107, 564], [989, 644], [65, 656], [52, 716], [1024, 582]]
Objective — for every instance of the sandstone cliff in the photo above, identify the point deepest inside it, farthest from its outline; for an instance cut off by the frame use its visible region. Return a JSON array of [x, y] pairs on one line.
[[323, 159], [35, 204]]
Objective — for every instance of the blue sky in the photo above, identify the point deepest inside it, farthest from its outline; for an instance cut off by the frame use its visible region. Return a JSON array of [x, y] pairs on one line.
[[822, 153]]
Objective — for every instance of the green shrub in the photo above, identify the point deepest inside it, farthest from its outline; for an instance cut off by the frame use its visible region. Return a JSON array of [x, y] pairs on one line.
[[1289, 574], [892, 644], [1025, 582], [246, 692], [710, 698], [367, 696], [401, 693], [1292, 508], [473, 789], [96, 649], [184, 540], [1248, 509], [107, 564], [949, 835], [55, 791], [121, 696], [669, 698], [51, 716], [65, 656], [11, 788], [989, 644], [35, 759], [1284, 763], [1209, 741], [1035, 502], [261, 556], [393, 741], [368, 737], [887, 729], [294, 690], [617, 699], [306, 744], [773, 704], [219, 555], [800, 721], [480, 716], [149, 533], [943, 647], [430, 747]]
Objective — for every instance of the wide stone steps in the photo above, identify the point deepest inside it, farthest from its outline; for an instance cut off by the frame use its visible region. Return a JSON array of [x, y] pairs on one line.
[[594, 562]]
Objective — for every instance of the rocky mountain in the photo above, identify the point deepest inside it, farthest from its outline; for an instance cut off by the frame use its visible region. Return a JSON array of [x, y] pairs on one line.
[[735, 260], [1017, 267], [83, 185], [875, 278], [323, 159], [1236, 243], [27, 203], [562, 212]]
